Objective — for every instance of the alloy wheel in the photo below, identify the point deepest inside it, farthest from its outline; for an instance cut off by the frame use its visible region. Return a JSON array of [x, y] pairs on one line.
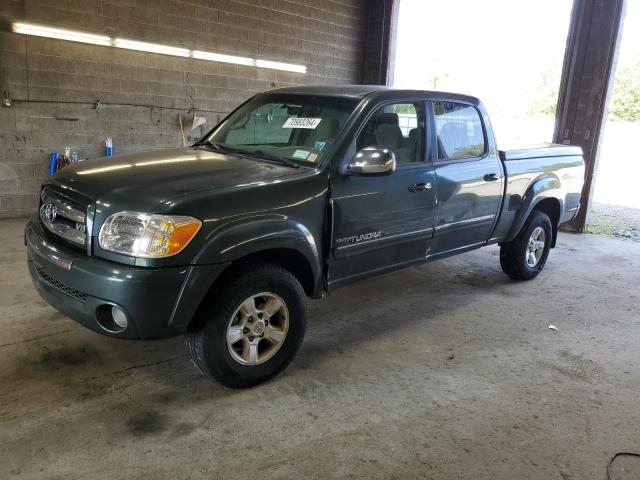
[[535, 246], [257, 328]]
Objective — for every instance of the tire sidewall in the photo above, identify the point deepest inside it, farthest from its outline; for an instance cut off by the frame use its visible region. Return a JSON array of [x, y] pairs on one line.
[[218, 314], [538, 219]]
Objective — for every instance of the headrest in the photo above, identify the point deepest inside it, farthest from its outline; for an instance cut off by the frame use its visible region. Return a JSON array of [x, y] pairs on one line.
[[388, 135], [327, 129], [388, 117]]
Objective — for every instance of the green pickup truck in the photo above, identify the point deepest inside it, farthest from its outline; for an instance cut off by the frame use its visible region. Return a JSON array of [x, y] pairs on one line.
[[297, 192]]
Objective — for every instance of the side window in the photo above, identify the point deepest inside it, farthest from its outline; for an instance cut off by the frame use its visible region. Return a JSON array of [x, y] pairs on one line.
[[458, 131], [400, 127]]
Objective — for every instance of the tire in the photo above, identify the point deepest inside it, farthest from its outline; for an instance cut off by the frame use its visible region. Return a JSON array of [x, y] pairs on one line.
[[515, 256], [227, 316]]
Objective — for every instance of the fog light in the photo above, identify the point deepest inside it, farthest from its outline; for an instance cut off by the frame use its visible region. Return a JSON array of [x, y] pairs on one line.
[[119, 317]]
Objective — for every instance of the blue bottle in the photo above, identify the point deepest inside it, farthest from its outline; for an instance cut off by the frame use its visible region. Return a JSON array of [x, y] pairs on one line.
[[53, 163], [108, 149]]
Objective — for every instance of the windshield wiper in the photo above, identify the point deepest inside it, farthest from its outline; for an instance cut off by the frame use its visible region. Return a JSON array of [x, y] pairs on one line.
[[250, 153], [273, 158], [214, 146]]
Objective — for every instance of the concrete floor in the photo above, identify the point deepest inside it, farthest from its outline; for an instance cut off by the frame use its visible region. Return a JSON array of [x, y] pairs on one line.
[[444, 371]]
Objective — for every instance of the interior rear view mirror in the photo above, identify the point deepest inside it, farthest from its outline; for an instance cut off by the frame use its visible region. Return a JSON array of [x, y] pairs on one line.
[[372, 161]]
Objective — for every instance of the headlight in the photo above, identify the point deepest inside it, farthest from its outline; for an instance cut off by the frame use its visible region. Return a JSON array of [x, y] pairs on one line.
[[147, 235]]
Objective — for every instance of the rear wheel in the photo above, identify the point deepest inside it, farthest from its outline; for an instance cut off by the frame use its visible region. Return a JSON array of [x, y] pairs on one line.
[[525, 256], [251, 330]]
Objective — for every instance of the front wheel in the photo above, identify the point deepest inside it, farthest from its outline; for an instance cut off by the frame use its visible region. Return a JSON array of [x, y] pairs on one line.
[[251, 330], [525, 256]]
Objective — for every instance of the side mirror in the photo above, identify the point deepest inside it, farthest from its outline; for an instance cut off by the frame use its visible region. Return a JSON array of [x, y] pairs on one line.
[[372, 161]]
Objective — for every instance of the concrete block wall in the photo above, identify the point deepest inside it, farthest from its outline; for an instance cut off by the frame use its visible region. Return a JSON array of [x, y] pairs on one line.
[[53, 84]]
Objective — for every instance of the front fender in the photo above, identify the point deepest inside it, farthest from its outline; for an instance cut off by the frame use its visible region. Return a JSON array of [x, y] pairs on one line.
[[247, 236], [540, 189]]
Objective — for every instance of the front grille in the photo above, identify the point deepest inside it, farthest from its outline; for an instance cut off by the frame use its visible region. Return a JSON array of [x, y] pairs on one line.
[[63, 217], [58, 285]]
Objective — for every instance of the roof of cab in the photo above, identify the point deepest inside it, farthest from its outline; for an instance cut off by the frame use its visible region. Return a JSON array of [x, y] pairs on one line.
[[362, 91]]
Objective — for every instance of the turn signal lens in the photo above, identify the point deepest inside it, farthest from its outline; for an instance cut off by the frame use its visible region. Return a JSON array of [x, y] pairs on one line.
[[181, 234], [147, 235]]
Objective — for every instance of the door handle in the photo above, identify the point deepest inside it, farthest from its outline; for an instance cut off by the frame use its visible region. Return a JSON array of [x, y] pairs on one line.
[[419, 187], [491, 177]]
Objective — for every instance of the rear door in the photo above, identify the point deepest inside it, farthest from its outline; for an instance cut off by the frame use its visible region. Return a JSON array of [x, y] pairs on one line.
[[382, 223], [470, 178]]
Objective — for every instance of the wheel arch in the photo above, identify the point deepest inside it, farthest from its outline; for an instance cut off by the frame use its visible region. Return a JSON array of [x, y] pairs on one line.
[[551, 207], [287, 258], [274, 239], [542, 195]]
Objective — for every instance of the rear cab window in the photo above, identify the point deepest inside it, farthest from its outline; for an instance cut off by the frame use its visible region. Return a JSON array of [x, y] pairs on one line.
[[459, 132]]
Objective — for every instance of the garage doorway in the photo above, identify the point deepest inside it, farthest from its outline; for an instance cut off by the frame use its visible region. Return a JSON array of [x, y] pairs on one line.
[[615, 209], [622, 125], [492, 50]]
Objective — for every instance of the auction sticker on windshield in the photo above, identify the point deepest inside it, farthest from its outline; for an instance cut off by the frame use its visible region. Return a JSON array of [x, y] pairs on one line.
[[301, 122], [301, 154]]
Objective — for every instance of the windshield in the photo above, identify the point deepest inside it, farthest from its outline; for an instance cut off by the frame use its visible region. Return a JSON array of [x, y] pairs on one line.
[[294, 127]]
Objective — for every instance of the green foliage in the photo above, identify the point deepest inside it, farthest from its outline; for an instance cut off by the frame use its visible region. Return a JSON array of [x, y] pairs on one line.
[[468, 151], [625, 101], [403, 108], [546, 96]]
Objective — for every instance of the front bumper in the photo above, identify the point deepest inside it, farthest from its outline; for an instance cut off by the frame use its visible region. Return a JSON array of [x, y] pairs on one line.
[[158, 302]]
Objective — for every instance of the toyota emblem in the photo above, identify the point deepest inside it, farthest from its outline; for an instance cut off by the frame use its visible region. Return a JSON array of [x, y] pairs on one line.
[[50, 212]]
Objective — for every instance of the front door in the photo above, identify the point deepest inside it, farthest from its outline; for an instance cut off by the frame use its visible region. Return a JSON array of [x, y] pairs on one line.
[[383, 223], [470, 179]]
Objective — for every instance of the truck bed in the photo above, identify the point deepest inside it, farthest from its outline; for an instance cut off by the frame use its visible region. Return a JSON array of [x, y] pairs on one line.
[[541, 150], [557, 169]]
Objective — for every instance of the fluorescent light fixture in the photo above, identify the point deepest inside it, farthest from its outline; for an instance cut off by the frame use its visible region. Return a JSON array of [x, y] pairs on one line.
[[151, 47], [60, 33], [220, 57], [289, 67], [83, 37]]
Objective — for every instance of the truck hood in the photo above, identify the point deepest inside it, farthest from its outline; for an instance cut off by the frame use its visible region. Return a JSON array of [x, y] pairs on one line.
[[152, 178]]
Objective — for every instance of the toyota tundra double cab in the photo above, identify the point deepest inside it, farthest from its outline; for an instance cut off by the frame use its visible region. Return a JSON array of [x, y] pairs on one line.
[[297, 192]]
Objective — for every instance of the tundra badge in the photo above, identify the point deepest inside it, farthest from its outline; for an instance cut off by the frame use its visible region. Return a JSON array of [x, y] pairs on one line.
[[358, 238]]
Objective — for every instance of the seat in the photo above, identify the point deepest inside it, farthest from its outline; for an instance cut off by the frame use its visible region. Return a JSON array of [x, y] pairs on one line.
[[412, 143], [388, 117], [326, 131], [389, 135]]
